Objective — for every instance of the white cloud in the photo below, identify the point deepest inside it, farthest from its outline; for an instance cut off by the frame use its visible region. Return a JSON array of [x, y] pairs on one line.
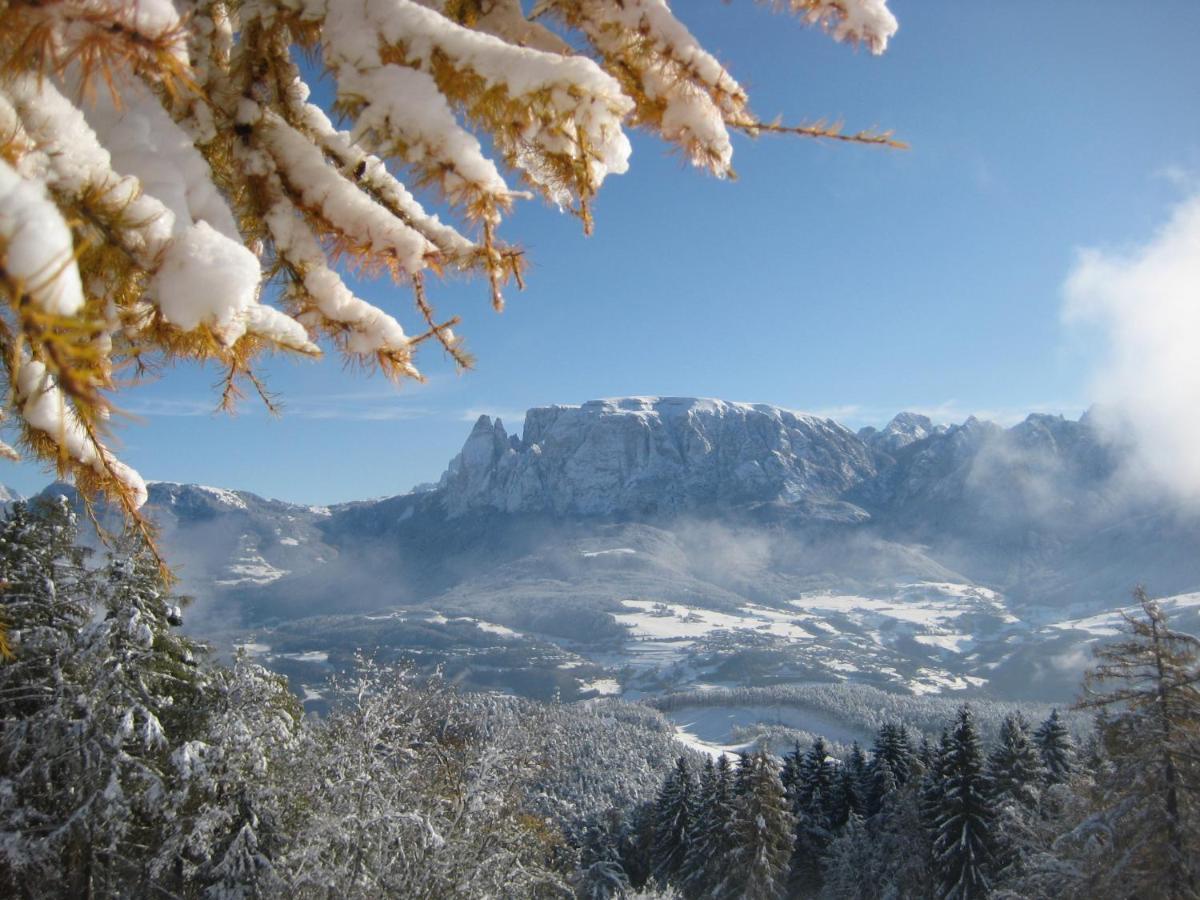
[[1181, 177], [1146, 302]]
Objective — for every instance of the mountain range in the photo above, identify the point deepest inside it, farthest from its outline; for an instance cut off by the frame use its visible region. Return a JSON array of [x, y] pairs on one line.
[[639, 544]]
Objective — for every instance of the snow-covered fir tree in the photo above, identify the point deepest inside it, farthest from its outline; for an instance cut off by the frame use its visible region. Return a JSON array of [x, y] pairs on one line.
[[882, 784], [601, 873], [162, 163], [233, 809], [86, 768], [812, 799], [894, 745], [47, 596], [674, 824], [851, 870], [760, 834], [857, 770], [963, 844], [1015, 778], [46, 603], [707, 857], [1056, 748], [1014, 767]]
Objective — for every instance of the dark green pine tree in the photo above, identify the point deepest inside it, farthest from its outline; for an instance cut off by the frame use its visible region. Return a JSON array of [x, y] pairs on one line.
[[893, 744], [963, 839], [760, 836], [601, 874], [674, 820], [1014, 767], [740, 772], [691, 873], [856, 764], [706, 857], [1057, 749], [812, 800], [1016, 778], [636, 845], [815, 774], [882, 783], [790, 775], [847, 798], [926, 754]]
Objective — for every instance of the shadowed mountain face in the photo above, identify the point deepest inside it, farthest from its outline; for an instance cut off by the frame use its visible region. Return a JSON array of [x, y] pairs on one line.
[[913, 555]]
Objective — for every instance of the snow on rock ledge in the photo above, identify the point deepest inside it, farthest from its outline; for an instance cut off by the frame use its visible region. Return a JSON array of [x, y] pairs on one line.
[[653, 454]]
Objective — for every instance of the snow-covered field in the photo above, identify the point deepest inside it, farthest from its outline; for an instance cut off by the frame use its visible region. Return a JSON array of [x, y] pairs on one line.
[[1111, 623], [674, 621]]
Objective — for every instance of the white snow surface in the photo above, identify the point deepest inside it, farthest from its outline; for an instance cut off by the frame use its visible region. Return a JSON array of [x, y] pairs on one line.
[[1112, 623], [226, 497], [310, 656], [45, 408], [603, 686], [38, 250], [556, 87], [673, 621], [251, 569]]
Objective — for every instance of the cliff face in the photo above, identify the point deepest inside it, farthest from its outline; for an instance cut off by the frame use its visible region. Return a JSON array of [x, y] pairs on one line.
[[654, 455], [649, 455]]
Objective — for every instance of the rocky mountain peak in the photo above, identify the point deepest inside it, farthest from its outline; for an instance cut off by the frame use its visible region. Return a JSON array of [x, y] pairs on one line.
[[633, 455], [904, 429]]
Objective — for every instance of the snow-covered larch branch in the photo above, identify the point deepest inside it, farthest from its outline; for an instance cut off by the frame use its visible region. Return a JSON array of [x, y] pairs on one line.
[[169, 189]]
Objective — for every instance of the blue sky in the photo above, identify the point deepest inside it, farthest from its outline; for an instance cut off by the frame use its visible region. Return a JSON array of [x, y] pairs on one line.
[[851, 281]]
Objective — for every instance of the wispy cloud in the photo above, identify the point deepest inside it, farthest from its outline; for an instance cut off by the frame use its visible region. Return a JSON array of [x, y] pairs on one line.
[[357, 408], [1146, 301], [370, 406], [149, 408], [1185, 179]]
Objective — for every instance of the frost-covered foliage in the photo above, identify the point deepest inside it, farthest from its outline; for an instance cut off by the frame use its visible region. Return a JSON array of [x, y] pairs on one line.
[[163, 161], [592, 757], [131, 764], [1147, 688], [97, 692]]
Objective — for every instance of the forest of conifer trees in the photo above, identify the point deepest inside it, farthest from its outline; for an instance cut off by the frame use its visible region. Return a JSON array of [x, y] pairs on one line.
[[132, 763]]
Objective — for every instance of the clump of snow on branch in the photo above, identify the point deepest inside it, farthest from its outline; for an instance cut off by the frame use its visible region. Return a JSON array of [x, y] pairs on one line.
[[37, 244], [169, 191], [868, 22]]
